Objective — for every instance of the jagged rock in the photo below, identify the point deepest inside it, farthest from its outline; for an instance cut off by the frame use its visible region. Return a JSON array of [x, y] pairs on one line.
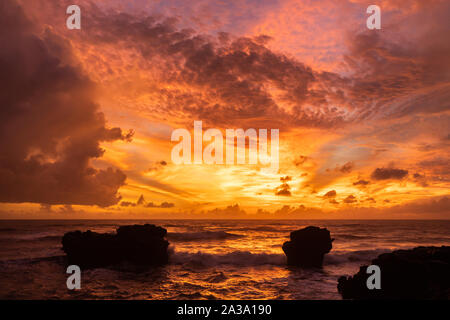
[[307, 247], [419, 273], [137, 244]]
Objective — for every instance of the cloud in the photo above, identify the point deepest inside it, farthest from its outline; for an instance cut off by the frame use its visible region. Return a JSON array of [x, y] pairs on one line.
[[283, 192], [232, 211], [394, 78], [227, 80], [420, 179], [163, 205], [142, 203], [158, 166], [301, 160], [50, 124], [389, 86], [350, 199], [141, 200], [330, 194], [346, 168], [284, 188], [439, 166], [361, 182], [388, 173], [127, 204], [370, 199], [437, 205], [224, 81]]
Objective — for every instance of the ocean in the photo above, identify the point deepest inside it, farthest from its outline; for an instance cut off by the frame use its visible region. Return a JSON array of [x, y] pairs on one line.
[[220, 259]]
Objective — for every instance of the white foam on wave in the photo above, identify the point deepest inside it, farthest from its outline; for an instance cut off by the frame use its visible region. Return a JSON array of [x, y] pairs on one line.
[[246, 258]]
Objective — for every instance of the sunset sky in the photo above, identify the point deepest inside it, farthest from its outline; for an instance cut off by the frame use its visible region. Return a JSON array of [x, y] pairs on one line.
[[87, 115]]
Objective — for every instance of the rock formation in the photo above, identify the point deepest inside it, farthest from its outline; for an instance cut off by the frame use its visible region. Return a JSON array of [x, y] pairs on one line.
[[419, 273], [307, 247], [137, 244]]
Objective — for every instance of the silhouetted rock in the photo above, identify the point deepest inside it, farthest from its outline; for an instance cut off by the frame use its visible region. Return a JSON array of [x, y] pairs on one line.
[[307, 247], [138, 244], [419, 273]]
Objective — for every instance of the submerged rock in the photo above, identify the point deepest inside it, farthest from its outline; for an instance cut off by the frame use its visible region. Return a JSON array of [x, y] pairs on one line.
[[307, 247], [419, 273], [137, 244]]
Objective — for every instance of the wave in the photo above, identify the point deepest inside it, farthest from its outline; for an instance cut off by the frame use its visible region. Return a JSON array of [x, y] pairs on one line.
[[48, 238], [264, 229], [175, 225], [204, 235], [245, 258], [353, 256], [353, 237], [242, 258], [27, 261], [193, 296], [350, 225], [237, 258], [216, 278], [31, 238]]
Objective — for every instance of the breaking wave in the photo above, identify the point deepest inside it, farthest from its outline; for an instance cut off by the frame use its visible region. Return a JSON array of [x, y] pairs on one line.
[[245, 258], [353, 256]]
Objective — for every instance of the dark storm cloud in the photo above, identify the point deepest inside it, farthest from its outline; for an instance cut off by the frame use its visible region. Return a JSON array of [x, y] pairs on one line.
[[50, 126], [389, 173]]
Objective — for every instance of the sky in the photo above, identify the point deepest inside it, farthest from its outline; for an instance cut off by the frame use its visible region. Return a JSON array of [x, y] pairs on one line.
[[87, 115]]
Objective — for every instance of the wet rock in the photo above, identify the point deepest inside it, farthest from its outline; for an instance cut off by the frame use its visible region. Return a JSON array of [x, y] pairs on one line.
[[307, 247], [136, 244], [419, 273]]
